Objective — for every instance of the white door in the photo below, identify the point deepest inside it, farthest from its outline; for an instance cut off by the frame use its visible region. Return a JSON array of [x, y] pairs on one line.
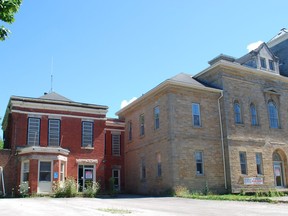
[[45, 177]]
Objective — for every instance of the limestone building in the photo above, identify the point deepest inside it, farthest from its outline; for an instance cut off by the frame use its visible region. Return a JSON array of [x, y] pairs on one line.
[[224, 128]]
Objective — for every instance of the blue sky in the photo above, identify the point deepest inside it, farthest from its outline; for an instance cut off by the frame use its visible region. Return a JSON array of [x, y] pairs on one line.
[[107, 51]]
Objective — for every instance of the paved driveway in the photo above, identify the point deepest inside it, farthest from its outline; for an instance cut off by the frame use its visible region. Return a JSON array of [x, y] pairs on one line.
[[136, 205]]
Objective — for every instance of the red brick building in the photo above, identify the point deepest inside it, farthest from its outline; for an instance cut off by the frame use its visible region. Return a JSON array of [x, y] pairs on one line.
[[50, 138]]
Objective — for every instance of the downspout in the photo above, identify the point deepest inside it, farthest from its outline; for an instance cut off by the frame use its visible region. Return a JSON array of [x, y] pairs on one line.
[[222, 139], [2, 178]]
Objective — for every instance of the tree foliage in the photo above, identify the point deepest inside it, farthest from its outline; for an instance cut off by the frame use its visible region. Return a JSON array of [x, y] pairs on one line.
[[7, 10]]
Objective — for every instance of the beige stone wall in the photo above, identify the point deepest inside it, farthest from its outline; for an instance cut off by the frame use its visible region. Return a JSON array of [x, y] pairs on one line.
[[248, 87], [176, 140]]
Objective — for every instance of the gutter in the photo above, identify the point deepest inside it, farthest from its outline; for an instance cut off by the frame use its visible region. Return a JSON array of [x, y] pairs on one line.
[[222, 140]]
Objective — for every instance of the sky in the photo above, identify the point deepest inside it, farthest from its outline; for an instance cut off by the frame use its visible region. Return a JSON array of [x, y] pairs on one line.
[[108, 52]]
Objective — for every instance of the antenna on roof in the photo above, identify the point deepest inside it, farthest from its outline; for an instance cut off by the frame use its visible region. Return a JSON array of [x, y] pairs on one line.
[[51, 89]]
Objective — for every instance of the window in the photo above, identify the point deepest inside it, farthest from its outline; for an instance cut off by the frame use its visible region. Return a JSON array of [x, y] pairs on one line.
[[199, 163], [54, 132], [243, 163], [159, 165], [253, 112], [143, 169], [273, 115], [271, 65], [33, 131], [87, 134], [115, 144], [62, 171], [237, 113], [45, 171], [142, 129], [259, 163], [196, 114], [156, 117], [263, 62], [25, 171], [130, 130]]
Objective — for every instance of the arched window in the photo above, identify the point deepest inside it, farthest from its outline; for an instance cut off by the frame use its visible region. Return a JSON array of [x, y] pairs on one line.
[[237, 113], [273, 115], [276, 157], [253, 112]]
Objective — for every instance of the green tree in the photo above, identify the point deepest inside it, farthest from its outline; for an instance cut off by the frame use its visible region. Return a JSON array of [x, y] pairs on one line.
[[7, 10], [1, 143]]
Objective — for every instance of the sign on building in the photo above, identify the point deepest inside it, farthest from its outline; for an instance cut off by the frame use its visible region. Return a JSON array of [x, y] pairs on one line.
[[253, 181]]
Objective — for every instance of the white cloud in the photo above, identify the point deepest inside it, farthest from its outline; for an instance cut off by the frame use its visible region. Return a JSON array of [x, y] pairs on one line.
[[125, 102], [254, 45]]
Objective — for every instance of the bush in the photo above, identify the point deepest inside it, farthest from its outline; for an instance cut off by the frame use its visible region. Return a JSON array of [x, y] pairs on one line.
[[91, 190], [66, 189], [24, 189], [181, 191]]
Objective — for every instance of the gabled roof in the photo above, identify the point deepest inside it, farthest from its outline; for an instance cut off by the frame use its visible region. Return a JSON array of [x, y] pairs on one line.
[[255, 52], [54, 96]]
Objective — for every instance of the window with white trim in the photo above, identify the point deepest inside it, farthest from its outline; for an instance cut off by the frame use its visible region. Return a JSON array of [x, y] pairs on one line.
[[33, 133], [62, 171], [196, 114], [25, 171], [54, 132], [87, 134], [199, 163], [116, 144], [45, 171], [271, 65]]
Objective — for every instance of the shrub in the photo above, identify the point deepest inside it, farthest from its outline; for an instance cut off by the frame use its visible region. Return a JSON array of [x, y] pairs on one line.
[[67, 189], [24, 189], [181, 191], [91, 190]]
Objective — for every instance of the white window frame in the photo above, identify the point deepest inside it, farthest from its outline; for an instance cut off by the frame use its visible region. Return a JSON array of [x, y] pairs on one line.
[[25, 170], [51, 168], [33, 131], [62, 171], [263, 60], [116, 144], [54, 126], [196, 114], [271, 65]]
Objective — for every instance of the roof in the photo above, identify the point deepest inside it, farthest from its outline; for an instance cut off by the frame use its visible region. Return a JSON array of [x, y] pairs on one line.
[[186, 78], [181, 79], [54, 96]]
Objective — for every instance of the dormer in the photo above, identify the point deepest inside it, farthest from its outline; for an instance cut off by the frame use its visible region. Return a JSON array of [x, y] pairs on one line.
[[261, 58]]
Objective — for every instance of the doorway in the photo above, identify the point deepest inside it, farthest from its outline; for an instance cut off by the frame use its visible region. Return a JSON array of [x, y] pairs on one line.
[[278, 170], [116, 177], [44, 177], [86, 177]]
